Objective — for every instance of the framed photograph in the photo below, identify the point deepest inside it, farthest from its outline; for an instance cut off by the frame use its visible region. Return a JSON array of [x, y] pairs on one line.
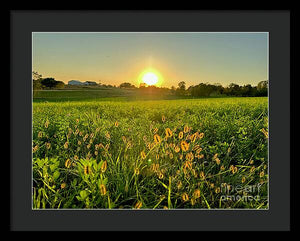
[[150, 120]]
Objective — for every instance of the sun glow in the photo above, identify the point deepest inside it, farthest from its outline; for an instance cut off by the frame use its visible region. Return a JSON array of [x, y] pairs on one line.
[[150, 77]]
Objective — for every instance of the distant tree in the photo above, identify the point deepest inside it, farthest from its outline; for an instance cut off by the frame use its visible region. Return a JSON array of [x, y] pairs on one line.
[[127, 85], [262, 88], [59, 85], [49, 82], [36, 82], [182, 85]]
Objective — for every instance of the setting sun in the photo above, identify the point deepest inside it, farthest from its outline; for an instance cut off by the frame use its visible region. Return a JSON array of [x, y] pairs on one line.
[[150, 78]]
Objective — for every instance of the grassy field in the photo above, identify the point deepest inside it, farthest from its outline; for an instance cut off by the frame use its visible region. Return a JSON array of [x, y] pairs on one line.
[[157, 154]]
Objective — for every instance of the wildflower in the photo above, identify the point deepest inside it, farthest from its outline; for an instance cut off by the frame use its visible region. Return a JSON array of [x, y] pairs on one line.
[[201, 135], [218, 161], [160, 175], [107, 147], [169, 133], [136, 171], [179, 185], [77, 120], [157, 138], [201, 156], [252, 169], [107, 135], [96, 153], [222, 168], [186, 129], [217, 190], [163, 118], [185, 197], [193, 201], [155, 131], [47, 124], [88, 146], [180, 156], [180, 135], [102, 189], [63, 185], [68, 163], [34, 149], [251, 162], [157, 156], [138, 205], [87, 170], [187, 164], [184, 145], [143, 155], [66, 145], [124, 139], [189, 156], [243, 179], [76, 132], [79, 143], [194, 137], [202, 175], [48, 145], [171, 155], [177, 149], [265, 132], [40, 134], [116, 124], [75, 157], [261, 174], [165, 207], [104, 166], [197, 193], [212, 185]]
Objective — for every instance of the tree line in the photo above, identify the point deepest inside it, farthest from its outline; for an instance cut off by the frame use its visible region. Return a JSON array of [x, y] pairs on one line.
[[199, 90]]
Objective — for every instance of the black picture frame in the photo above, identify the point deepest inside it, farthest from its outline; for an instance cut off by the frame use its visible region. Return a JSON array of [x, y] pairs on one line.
[[24, 22]]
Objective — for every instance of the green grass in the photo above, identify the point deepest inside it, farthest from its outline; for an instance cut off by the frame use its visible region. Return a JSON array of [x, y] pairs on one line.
[[141, 173]]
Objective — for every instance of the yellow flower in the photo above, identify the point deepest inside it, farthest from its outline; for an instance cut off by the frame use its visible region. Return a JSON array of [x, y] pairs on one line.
[[193, 201], [202, 175], [155, 131], [160, 175], [138, 205], [179, 185], [143, 155], [243, 179], [197, 193], [180, 135], [157, 138], [251, 162], [169, 133], [163, 118], [107, 135], [222, 168], [68, 163], [157, 156], [40, 134], [261, 174], [194, 137], [66, 145], [87, 170], [217, 190], [104, 166], [218, 161], [136, 171], [63, 185], [102, 189], [116, 124], [186, 129], [75, 157], [185, 197], [184, 146], [252, 169], [177, 149], [201, 135], [47, 124], [48, 145], [187, 164]]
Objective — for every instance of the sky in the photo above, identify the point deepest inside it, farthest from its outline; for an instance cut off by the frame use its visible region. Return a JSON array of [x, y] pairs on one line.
[[114, 58]]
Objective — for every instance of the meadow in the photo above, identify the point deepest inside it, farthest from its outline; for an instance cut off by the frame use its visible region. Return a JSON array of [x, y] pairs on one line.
[[209, 153]]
